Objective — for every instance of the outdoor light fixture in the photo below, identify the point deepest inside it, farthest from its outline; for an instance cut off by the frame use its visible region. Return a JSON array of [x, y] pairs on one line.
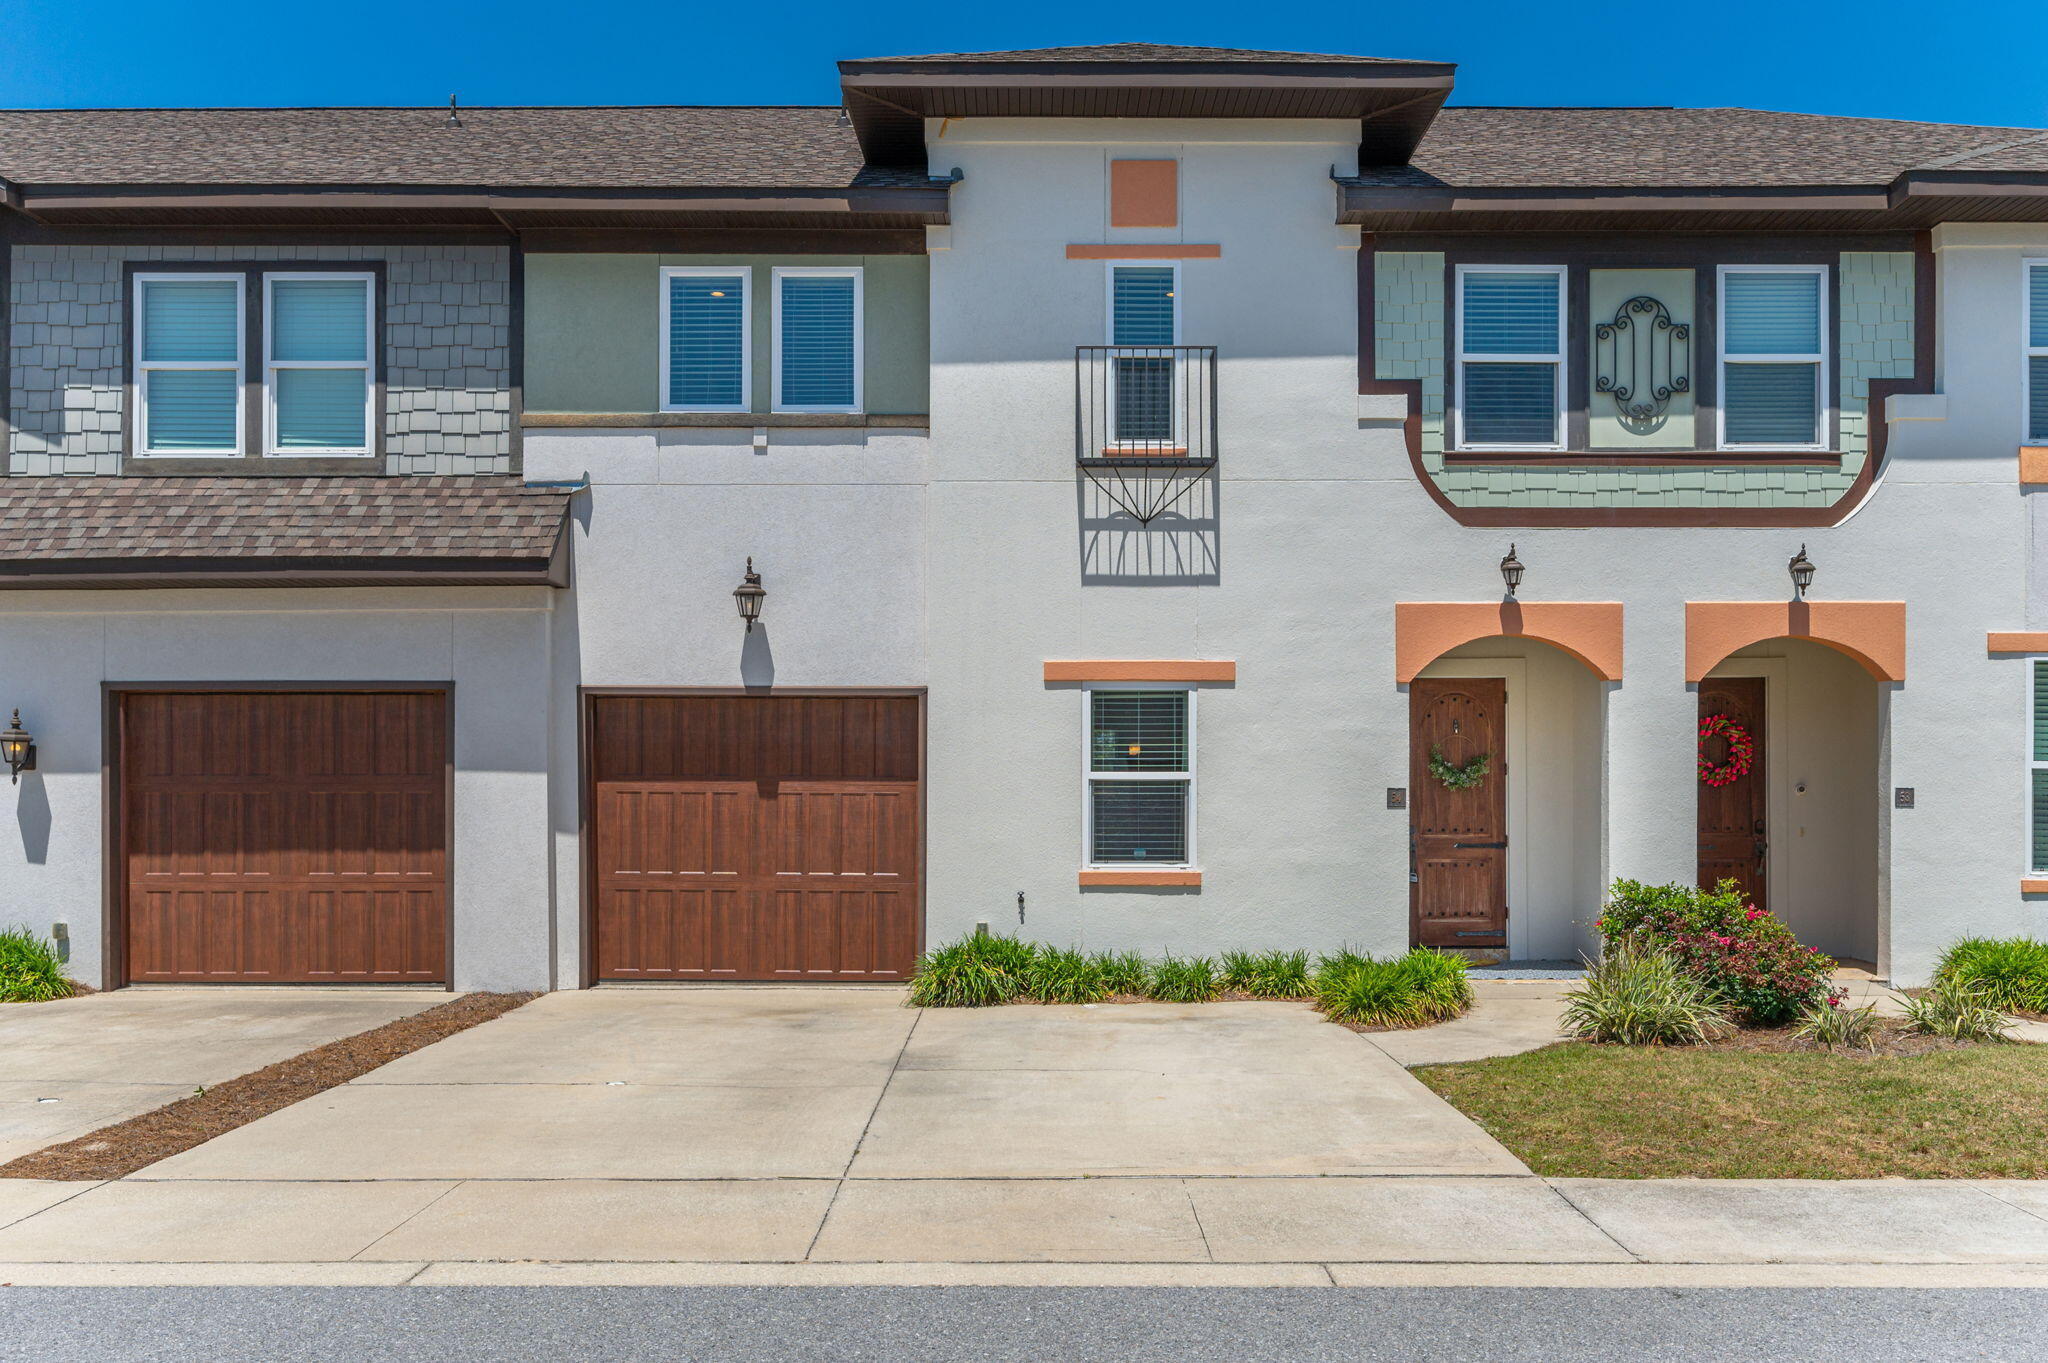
[[17, 749], [1801, 568], [749, 595], [1511, 572]]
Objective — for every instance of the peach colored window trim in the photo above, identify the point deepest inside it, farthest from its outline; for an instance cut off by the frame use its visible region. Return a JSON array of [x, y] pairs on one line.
[[1871, 632], [1141, 670], [1134, 251], [2016, 641], [1141, 877], [1144, 193], [2033, 465], [2034, 886], [1426, 630]]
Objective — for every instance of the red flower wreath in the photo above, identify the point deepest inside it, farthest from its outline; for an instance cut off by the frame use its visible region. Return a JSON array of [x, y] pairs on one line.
[[1741, 750]]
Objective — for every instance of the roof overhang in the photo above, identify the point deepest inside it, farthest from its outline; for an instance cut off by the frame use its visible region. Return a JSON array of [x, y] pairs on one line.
[[153, 571], [888, 100]]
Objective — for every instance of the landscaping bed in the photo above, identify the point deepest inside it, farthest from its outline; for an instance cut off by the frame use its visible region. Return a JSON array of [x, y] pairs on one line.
[[121, 1149]]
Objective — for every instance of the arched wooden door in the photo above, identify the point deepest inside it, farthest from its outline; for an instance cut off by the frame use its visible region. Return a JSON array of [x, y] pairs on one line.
[[1458, 893], [1732, 840]]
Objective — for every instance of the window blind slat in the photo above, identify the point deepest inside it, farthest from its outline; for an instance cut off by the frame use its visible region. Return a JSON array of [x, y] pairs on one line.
[[189, 409], [1770, 404], [1510, 404], [321, 408], [319, 319], [707, 320], [1771, 313], [1142, 305], [817, 341], [1140, 731], [1510, 313], [189, 319], [1140, 821]]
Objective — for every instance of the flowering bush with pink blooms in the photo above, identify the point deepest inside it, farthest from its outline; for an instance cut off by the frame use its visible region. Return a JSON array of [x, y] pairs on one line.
[[1749, 960]]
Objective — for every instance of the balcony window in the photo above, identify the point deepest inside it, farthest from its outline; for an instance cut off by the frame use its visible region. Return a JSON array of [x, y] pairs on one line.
[[2037, 350]]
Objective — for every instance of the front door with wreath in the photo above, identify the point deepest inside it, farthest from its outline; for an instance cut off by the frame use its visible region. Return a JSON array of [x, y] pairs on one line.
[[1732, 819], [1458, 811]]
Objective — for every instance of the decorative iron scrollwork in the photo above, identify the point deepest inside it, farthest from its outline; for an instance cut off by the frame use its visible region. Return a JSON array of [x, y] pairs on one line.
[[1641, 359]]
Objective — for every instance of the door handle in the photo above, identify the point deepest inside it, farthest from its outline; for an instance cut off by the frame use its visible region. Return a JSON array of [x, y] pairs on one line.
[[1474, 846]]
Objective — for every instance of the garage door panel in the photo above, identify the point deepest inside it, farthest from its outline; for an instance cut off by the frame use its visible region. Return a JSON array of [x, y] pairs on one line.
[[665, 932]]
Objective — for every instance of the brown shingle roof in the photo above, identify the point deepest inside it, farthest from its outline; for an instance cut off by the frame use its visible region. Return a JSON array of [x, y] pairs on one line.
[[1656, 148], [375, 520], [1134, 52]]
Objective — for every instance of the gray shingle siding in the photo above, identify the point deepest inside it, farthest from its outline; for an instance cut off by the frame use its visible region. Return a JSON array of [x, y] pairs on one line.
[[447, 352]]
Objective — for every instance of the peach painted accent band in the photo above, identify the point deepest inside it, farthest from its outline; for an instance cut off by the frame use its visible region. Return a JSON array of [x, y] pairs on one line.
[[1871, 632], [2016, 641], [1134, 251], [1144, 193], [1142, 669], [1141, 877], [2033, 465], [1426, 630], [2034, 886]]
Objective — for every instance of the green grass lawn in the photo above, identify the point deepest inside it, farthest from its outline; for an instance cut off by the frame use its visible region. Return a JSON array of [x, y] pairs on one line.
[[1576, 1110]]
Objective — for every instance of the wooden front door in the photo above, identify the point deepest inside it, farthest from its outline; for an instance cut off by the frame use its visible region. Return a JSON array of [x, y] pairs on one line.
[[1733, 844], [285, 837], [1458, 838], [756, 837]]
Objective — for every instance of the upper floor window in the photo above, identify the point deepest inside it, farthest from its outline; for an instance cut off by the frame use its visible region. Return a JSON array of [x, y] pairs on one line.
[[817, 338], [316, 363], [2037, 349], [188, 364], [707, 352], [1510, 348], [1144, 328], [1773, 356]]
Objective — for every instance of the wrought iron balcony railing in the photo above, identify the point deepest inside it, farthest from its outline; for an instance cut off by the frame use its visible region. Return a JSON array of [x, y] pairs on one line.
[[1140, 406]]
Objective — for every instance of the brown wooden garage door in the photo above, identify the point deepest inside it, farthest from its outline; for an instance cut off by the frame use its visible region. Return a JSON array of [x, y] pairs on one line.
[[285, 837], [755, 837]]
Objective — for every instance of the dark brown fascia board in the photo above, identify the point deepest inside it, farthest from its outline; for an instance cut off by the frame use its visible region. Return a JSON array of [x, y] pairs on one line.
[[153, 571], [1362, 202], [1131, 74], [567, 199]]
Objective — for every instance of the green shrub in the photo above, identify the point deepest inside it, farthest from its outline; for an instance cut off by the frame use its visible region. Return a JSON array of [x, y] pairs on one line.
[[1267, 974], [1414, 990], [2010, 973], [1639, 996], [1957, 1011], [1123, 972], [1633, 907], [29, 969], [1183, 979], [1839, 1028], [1056, 976], [1747, 959], [974, 972]]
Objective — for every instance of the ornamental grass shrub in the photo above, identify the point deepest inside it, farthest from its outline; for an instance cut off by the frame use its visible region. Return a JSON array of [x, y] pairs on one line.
[[30, 971], [1836, 1027], [1059, 976], [1414, 990], [2009, 973], [1183, 979], [1748, 960], [1639, 996], [1123, 972], [1266, 974], [1955, 1010], [978, 970]]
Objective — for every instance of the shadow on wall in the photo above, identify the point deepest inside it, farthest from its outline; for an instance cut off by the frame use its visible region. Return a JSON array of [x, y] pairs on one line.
[[1180, 547], [32, 814], [757, 657]]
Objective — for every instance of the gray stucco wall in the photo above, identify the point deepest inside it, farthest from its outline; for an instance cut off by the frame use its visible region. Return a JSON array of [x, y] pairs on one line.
[[447, 352]]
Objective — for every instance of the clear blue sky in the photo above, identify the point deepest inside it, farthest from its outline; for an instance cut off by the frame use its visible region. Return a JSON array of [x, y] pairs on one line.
[[1962, 61]]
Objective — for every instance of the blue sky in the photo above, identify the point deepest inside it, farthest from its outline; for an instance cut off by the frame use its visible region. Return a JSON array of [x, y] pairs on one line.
[[1967, 62]]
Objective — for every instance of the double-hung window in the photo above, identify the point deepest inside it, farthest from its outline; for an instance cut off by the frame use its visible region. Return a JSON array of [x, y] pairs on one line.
[[2037, 349], [188, 364], [817, 339], [1144, 328], [1511, 373], [1773, 357], [2037, 765], [317, 349], [1140, 777], [707, 346]]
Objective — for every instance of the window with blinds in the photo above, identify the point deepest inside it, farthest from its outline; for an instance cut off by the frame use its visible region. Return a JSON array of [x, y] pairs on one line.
[[188, 364], [706, 348], [1773, 358], [1143, 326], [2037, 768], [817, 339], [1510, 382], [317, 356], [2037, 350], [1140, 777]]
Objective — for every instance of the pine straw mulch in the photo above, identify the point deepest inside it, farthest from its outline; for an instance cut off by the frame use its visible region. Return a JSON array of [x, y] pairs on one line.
[[118, 1150], [1892, 1038]]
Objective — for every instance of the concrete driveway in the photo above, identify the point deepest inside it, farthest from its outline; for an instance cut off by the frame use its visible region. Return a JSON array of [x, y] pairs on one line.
[[73, 1065]]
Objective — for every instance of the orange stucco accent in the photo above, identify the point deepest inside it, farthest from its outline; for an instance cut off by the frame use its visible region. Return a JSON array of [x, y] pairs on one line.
[[1141, 669], [1126, 250], [1141, 877], [1144, 193], [2016, 641], [2033, 465], [1871, 632], [1426, 630], [2033, 886]]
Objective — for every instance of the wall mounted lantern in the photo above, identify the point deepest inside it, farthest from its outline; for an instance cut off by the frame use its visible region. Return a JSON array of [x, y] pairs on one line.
[[749, 595], [1511, 572], [17, 749], [1801, 568]]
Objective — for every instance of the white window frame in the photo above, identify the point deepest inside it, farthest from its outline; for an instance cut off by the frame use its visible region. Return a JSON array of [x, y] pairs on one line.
[[1559, 358], [860, 331], [2033, 765], [2029, 351], [141, 367], [746, 278], [1823, 406], [368, 366], [1089, 778], [1180, 435]]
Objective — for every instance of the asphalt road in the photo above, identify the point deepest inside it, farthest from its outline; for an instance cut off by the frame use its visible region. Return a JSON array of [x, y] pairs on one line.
[[1130, 1325]]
